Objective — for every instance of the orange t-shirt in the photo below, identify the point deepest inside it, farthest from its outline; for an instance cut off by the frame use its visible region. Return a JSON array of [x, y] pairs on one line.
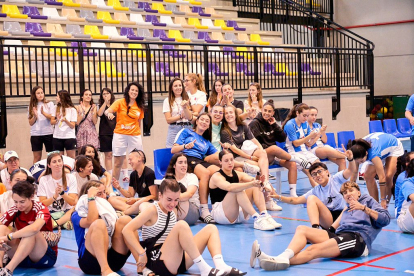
[[127, 124], [2, 189]]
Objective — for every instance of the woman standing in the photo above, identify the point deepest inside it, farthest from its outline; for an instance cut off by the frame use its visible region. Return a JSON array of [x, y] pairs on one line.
[[216, 94], [254, 103], [127, 133], [41, 130], [87, 119], [64, 119], [196, 91], [176, 109]]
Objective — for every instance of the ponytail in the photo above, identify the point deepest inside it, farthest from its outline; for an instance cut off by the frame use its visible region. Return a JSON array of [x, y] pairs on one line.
[[198, 81], [359, 147], [409, 172], [292, 113]]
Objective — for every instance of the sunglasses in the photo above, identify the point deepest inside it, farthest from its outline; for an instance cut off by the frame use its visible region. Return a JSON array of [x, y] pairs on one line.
[[128, 112]]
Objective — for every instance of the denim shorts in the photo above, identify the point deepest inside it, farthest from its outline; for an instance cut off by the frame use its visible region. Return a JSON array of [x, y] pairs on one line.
[[172, 133]]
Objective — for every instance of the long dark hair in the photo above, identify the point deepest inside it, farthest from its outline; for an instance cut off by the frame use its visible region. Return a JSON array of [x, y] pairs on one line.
[[81, 162], [49, 170], [173, 161], [140, 100], [171, 95], [65, 102], [33, 100], [213, 95], [409, 171], [225, 126], [95, 161], [292, 113], [101, 99], [359, 147], [208, 132], [83, 93]]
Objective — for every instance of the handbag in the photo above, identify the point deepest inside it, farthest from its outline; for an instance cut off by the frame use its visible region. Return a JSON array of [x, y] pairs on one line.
[[248, 147], [149, 243]]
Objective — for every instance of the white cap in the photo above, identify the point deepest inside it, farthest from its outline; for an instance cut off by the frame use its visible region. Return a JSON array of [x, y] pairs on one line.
[[9, 154]]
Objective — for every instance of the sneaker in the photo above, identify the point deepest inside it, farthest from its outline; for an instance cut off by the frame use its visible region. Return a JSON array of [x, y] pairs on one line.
[[271, 205], [255, 253], [125, 179], [305, 164], [277, 161], [272, 177], [6, 259], [261, 223], [273, 264], [273, 222], [68, 225], [207, 219], [267, 186], [251, 169], [5, 272]]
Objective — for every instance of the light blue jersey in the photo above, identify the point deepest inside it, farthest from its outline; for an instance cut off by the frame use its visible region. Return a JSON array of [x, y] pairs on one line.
[[407, 190], [399, 197], [317, 127], [410, 107], [382, 145], [295, 132]]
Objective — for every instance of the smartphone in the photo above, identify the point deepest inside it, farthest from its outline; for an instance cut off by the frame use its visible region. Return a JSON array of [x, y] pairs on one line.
[[4, 247]]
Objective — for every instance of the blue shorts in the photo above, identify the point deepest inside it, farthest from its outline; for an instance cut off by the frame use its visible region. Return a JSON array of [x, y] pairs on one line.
[[47, 261]]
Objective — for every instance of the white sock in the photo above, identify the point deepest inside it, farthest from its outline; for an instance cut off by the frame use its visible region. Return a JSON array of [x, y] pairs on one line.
[[263, 213], [287, 254], [202, 265], [204, 211], [220, 264], [292, 188], [263, 256], [110, 172], [125, 172], [255, 215], [295, 159]]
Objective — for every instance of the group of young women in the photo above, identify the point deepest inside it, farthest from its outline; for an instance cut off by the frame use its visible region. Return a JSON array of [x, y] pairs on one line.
[[214, 153]]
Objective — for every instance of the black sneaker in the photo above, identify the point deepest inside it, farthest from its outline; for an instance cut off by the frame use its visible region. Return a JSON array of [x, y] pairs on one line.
[[208, 219]]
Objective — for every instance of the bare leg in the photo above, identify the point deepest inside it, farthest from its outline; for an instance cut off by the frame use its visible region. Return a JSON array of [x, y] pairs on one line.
[[119, 203], [255, 195], [108, 160], [37, 155], [275, 151], [231, 203], [71, 153], [118, 243], [390, 170], [263, 162], [369, 177], [292, 171], [326, 249], [318, 213], [203, 175], [118, 161]]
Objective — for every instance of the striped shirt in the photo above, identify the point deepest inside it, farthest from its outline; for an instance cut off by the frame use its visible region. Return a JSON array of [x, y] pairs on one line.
[[153, 230]]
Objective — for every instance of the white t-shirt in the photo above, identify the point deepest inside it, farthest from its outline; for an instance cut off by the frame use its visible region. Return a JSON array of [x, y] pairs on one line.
[[47, 188], [81, 181], [42, 125], [5, 177], [189, 180], [176, 108], [6, 201], [199, 97], [62, 130]]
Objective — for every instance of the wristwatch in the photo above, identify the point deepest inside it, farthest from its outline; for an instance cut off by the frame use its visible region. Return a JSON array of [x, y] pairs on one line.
[[91, 198], [62, 193]]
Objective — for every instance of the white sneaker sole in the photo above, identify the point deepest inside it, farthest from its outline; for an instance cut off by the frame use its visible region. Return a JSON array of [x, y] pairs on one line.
[[253, 255], [272, 265]]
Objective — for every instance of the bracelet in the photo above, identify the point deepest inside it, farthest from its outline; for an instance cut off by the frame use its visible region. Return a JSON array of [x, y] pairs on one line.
[[143, 253], [184, 146], [251, 157], [280, 197], [91, 198], [350, 160], [10, 236], [382, 183]]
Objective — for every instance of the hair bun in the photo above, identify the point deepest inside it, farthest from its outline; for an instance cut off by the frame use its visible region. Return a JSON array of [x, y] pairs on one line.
[[270, 101]]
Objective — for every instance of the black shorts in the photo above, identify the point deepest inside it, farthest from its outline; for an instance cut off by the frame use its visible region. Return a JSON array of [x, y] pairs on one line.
[[47, 261], [157, 265], [38, 142], [105, 142], [89, 264], [64, 144], [350, 244], [194, 161], [335, 214]]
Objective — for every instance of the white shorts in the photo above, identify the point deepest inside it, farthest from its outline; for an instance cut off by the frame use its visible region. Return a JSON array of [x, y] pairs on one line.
[[220, 217], [397, 151], [123, 144], [315, 148], [307, 155], [406, 221]]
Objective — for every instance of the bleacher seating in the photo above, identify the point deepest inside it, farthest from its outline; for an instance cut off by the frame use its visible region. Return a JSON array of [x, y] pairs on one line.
[[404, 126], [344, 137], [375, 126], [162, 159]]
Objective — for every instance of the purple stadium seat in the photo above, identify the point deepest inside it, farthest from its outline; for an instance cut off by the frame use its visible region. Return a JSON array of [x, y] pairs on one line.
[[243, 68], [85, 51], [164, 68], [206, 37], [231, 23], [53, 2], [36, 29], [200, 11], [154, 20], [3, 15], [162, 35], [269, 67], [173, 53], [230, 51], [33, 13], [146, 7], [129, 32], [215, 69], [308, 69]]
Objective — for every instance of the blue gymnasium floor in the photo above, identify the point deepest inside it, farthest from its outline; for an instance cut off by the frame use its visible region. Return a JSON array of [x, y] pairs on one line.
[[393, 252]]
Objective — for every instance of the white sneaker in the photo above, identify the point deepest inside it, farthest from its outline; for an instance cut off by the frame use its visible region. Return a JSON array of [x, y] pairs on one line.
[[251, 169], [261, 223], [277, 161], [276, 263], [271, 205], [273, 222], [268, 187], [255, 253]]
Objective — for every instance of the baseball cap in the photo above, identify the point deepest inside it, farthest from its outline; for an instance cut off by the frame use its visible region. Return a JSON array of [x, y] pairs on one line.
[[9, 154]]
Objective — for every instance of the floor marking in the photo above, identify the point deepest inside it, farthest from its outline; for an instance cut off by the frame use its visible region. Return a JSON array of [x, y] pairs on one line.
[[72, 267], [376, 266]]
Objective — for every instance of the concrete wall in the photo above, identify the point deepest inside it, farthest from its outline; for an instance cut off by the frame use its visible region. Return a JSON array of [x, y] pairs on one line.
[[394, 44], [352, 117]]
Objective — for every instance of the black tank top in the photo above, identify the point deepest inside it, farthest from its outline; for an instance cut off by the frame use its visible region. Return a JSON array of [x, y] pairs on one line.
[[217, 194]]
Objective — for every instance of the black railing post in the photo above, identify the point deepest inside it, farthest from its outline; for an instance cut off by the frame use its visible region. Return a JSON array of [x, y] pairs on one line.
[[206, 72], [234, 3], [149, 116], [3, 112], [331, 9], [81, 68], [370, 65], [299, 70], [336, 100], [273, 12], [261, 10], [256, 64]]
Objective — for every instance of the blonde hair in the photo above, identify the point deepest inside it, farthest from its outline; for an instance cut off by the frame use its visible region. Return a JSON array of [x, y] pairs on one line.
[[199, 81], [348, 185]]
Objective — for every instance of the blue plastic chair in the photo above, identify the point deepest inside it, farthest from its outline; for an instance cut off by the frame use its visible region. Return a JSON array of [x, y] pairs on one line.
[[282, 146], [162, 158], [331, 139], [375, 126], [390, 127], [344, 137], [404, 126]]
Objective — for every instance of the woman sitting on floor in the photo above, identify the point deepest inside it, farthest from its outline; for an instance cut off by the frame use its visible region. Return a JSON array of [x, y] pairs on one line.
[[27, 246], [350, 236], [83, 173], [98, 232], [168, 247]]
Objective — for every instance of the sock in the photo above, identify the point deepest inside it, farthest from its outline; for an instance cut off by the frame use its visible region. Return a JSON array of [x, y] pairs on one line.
[[288, 254], [204, 210], [263, 213], [262, 256], [202, 265], [220, 264], [292, 188], [255, 215], [125, 172]]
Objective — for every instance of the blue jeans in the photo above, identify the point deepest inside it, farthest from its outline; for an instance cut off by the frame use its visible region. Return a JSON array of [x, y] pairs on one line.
[[172, 133]]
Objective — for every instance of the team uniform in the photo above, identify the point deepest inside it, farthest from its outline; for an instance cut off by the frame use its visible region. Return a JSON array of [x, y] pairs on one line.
[[295, 132], [410, 108], [405, 219], [318, 144], [202, 147], [399, 197]]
